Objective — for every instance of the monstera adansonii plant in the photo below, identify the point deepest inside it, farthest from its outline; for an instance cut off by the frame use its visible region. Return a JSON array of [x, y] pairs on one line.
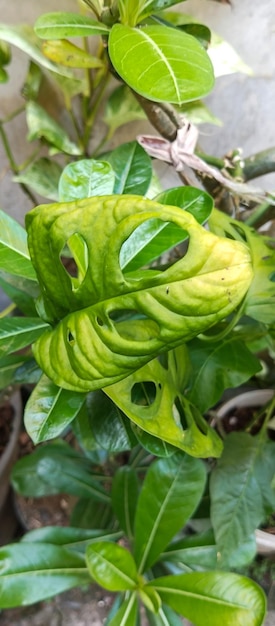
[[108, 327]]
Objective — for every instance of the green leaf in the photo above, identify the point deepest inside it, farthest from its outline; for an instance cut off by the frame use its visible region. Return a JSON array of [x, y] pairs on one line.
[[53, 469], [91, 514], [42, 126], [111, 566], [224, 598], [127, 613], [154, 238], [109, 425], [217, 366], [84, 179], [59, 25], [161, 63], [132, 167], [22, 291], [110, 328], [18, 332], [152, 444], [28, 373], [225, 58], [150, 599], [24, 38], [132, 12], [66, 53], [171, 492], [125, 490], [194, 552], [121, 108], [14, 254], [165, 617], [8, 368], [198, 113], [30, 573], [50, 410], [71, 538], [5, 53], [33, 81], [240, 489], [166, 414], [43, 177]]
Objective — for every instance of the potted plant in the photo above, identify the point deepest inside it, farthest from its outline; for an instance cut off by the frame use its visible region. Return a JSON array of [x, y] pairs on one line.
[[136, 348]]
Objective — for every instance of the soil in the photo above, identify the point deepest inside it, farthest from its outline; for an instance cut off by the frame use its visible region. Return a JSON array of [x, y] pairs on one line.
[[6, 419], [247, 419]]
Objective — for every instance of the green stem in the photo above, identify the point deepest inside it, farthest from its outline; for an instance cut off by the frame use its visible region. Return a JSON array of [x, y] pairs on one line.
[[9, 309], [13, 114], [260, 215], [259, 164], [91, 118]]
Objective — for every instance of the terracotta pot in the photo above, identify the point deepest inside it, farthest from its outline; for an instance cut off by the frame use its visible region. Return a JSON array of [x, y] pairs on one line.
[[9, 455], [256, 398]]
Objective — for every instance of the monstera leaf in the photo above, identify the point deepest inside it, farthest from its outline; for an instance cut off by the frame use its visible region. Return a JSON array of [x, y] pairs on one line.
[[107, 323]]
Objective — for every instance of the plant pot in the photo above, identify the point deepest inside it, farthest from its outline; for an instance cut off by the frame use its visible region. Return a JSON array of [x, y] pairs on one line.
[[9, 401], [259, 397]]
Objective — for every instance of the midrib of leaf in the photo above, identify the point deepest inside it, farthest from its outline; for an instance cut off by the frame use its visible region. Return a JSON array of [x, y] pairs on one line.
[[163, 618], [128, 610], [21, 331], [123, 178], [205, 598], [56, 571], [210, 358], [116, 571], [155, 527], [165, 61]]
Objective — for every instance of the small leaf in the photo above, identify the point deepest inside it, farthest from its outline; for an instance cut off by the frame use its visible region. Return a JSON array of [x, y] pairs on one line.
[[43, 177], [42, 125], [22, 291], [59, 25], [161, 63], [125, 490], [225, 598], [66, 53], [8, 368], [30, 573], [225, 58], [18, 332], [14, 254], [165, 617], [194, 552], [170, 494], [111, 566], [121, 108], [132, 167], [150, 599], [84, 179], [50, 410], [127, 613], [198, 113]]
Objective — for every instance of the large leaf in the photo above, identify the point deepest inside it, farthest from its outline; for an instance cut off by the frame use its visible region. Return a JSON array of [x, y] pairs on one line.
[[193, 552], [241, 494], [110, 427], [154, 238], [32, 572], [132, 167], [111, 566], [42, 176], [42, 125], [216, 366], [125, 491], [70, 538], [164, 308], [59, 25], [84, 179], [50, 410], [161, 63], [14, 254], [153, 398], [170, 494], [218, 597], [18, 332], [53, 469]]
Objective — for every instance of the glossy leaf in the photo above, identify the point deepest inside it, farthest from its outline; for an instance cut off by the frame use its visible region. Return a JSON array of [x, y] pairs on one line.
[[121, 108], [132, 167], [110, 426], [33, 81], [111, 566], [182, 301], [53, 469], [84, 179], [43, 177], [154, 238], [66, 53], [14, 254], [240, 487], [8, 368], [192, 553], [18, 332], [24, 38], [33, 572], [171, 492], [152, 444], [50, 410], [21, 291], [127, 613], [168, 415], [42, 126], [59, 25], [150, 598], [161, 63], [28, 373], [217, 366], [125, 490], [224, 598], [70, 538]]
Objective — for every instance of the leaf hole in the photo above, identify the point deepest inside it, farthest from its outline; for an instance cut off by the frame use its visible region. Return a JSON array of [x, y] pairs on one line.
[[144, 393], [100, 321], [134, 325], [272, 277], [70, 337], [179, 414], [74, 258]]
